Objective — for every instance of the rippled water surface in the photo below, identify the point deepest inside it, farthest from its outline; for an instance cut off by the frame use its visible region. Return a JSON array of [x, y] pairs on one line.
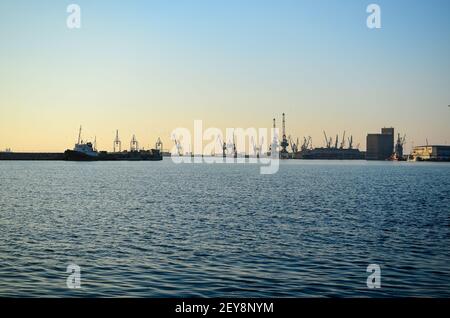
[[156, 229]]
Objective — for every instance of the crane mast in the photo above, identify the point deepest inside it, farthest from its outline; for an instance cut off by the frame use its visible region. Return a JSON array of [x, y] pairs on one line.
[[284, 142], [134, 144], [117, 143], [159, 145]]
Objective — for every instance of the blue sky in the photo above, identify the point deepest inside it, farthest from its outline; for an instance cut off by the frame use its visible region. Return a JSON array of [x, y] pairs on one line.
[[147, 67]]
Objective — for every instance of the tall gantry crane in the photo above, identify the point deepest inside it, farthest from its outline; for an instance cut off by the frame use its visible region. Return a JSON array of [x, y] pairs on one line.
[[134, 144], [274, 146], [284, 142], [117, 143], [159, 145]]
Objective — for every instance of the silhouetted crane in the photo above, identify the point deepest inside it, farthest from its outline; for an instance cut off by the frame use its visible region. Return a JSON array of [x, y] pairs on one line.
[[343, 141], [159, 145], [117, 142], [134, 144], [350, 142], [327, 141], [178, 146]]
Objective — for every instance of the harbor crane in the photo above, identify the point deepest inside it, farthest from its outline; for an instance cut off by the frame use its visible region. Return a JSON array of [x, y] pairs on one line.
[[228, 148], [350, 142], [294, 145], [343, 141], [284, 142], [232, 146], [274, 146], [275, 137], [223, 145], [178, 146], [307, 142], [260, 147], [327, 141], [398, 149], [257, 148], [159, 145], [117, 143], [134, 144]]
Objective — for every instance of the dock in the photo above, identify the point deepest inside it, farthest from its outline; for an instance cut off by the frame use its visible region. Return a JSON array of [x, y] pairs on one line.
[[32, 156]]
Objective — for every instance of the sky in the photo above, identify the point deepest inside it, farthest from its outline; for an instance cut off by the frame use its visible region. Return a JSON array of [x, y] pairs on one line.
[[148, 67]]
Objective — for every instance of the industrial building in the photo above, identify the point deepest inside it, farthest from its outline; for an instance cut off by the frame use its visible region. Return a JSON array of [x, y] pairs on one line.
[[380, 146], [431, 153]]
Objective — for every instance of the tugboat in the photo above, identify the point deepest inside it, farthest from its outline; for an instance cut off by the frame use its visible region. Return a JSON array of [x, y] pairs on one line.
[[82, 151]]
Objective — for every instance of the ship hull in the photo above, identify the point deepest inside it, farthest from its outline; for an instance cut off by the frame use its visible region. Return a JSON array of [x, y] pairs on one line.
[[148, 155], [71, 155], [330, 154], [153, 155]]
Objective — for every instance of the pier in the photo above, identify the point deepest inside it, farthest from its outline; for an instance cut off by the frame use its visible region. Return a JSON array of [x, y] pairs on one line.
[[32, 156]]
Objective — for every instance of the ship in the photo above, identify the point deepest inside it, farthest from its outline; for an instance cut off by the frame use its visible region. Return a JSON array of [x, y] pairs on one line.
[[86, 151], [83, 151], [330, 152]]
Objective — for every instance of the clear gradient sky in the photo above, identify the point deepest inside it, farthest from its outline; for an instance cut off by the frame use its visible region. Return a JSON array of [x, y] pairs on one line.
[[147, 67]]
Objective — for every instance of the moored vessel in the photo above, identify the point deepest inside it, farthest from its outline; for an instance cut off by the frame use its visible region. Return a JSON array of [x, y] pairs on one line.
[[87, 151], [82, 151]]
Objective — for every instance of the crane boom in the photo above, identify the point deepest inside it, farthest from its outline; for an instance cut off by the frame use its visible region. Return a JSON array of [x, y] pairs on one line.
[[326, 139], [343, 141]]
